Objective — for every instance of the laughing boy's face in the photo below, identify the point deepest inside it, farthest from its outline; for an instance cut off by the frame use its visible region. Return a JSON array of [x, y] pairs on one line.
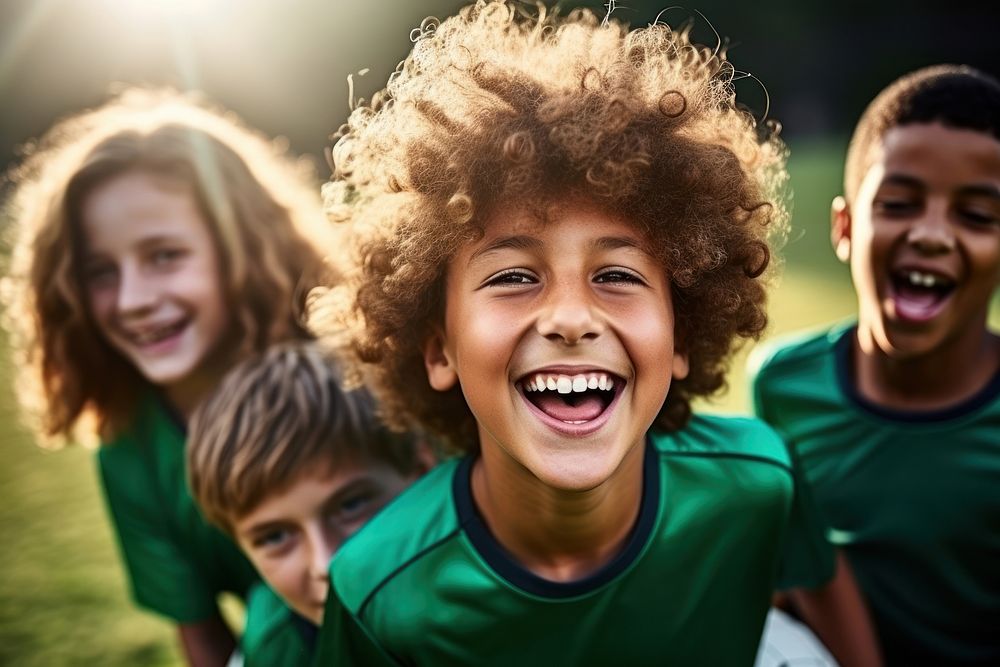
[[561, 336], [923, 238]]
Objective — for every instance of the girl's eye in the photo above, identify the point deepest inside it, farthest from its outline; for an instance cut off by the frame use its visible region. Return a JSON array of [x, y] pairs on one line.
[[511, 277], [618, 276], [165, 256], [101, 275]]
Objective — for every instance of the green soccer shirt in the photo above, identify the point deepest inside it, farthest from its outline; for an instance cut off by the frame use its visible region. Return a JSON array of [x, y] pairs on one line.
[[425, 583], [274, 635], [176, 562], [912, 498]]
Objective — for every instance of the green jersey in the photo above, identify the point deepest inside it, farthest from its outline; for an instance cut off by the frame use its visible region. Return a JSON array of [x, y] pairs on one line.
[[275, 636], [913, 498], [426, 583], [177, 563]]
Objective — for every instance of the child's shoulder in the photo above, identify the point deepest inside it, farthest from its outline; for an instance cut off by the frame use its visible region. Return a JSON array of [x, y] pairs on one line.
[[413, 524], [150, 429], [791, 352], [270, 634], [724, 438]]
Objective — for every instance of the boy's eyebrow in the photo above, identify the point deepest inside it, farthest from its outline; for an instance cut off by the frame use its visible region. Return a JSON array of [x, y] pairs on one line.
[[982, 190], [261, 528], [979, 189], [904, 180], [616, 242], [521, 242], [516, 242]]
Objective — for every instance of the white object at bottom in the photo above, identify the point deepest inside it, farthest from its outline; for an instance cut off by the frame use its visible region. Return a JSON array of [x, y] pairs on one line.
[[789, 643]]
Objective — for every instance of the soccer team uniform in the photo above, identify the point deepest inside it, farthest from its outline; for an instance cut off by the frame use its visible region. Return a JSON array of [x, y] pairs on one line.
[[176, 562], [274, 635], [426, 583], [913, 498]]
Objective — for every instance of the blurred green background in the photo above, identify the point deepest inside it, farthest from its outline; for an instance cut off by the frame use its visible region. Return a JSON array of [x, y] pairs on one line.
[[283, 67]]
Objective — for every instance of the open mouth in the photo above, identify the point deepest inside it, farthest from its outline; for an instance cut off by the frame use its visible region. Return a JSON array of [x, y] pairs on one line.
[[920, 295], [158, 335], [573, 400]]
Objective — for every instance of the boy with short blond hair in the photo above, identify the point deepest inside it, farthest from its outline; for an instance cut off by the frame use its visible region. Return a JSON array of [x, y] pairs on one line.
[[895, 417], [290, 465], [563, 227]]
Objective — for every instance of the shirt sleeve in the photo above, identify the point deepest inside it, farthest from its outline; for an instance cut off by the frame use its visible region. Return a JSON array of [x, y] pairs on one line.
[[807, 558], [343, 639], [161, 573]]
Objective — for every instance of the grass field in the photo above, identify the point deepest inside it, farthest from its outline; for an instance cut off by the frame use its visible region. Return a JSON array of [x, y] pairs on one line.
[[63, 600]]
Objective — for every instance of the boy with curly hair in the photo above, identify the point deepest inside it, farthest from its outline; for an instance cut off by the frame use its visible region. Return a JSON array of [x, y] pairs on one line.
[[562, 226], [895, 416]]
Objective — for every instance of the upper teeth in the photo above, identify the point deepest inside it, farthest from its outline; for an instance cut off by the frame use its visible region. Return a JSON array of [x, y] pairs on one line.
[[923, 279], [566, 384]]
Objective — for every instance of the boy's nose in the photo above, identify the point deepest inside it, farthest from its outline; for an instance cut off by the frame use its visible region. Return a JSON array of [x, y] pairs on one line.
[[323, 544], [932, 233], [569, 317]]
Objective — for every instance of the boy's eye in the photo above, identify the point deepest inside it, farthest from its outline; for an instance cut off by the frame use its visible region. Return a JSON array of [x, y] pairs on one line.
[[894, 206], [354, 507], [272, 539], [511, 277], [618, 276], [978, 217]]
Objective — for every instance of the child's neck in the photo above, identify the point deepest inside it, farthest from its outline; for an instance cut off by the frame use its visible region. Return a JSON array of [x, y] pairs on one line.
[[947, 376], [557, 535], [185, 394]]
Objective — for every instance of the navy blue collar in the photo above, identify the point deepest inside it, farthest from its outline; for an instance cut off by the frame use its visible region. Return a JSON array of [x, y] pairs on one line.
[[844, 363], [504, 564]]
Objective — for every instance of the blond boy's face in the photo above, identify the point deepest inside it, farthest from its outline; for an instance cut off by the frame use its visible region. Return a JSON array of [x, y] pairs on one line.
[[292, 534], [923, 238], [561, 335]]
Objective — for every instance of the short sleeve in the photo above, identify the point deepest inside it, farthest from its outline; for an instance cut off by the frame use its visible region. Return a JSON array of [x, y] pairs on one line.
[[343, 639], [162, 576], [271, 637], [807, 558]]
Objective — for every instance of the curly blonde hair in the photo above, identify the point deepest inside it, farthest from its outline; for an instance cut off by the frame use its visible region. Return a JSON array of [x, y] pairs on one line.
[[262, 209], [502, 104]]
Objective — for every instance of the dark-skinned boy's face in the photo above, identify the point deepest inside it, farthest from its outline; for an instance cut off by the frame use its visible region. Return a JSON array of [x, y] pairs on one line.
[[923, 237], [561, 335]]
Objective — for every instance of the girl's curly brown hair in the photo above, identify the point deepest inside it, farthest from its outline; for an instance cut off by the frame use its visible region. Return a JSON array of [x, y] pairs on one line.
[[501, 104], [263, 212]]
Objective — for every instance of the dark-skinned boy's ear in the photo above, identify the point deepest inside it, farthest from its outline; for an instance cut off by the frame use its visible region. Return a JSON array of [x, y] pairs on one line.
[[440, 369], [840, 228]]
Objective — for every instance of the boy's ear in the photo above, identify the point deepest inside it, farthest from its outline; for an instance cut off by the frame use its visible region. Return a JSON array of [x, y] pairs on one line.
[[840, 228], [681, 365], [440, 368]]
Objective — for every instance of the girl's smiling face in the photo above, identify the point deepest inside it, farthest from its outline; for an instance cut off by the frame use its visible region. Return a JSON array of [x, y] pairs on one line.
[[561, 336], [152, 277]]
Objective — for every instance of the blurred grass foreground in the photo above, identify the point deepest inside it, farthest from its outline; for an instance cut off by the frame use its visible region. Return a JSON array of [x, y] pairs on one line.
[[63, 598]]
